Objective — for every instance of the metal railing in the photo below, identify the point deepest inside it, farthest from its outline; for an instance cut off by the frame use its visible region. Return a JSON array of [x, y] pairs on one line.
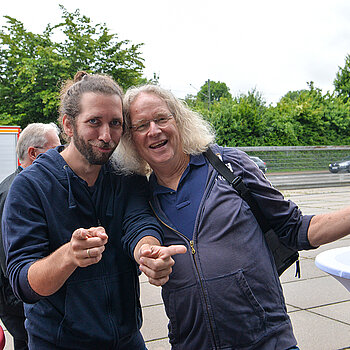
[[298, 158]]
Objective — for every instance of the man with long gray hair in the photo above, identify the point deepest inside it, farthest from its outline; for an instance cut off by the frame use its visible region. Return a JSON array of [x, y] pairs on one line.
[[35, 139], [224, 293]]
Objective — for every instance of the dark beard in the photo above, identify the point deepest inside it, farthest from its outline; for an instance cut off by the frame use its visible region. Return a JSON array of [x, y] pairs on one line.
[[88, 151]]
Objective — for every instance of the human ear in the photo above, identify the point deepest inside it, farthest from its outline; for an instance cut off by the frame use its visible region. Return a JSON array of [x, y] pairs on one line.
[[67, 126], [32, 153]]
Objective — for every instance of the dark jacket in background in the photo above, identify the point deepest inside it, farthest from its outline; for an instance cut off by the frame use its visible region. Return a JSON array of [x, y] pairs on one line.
[[11, 308], [4, 190]]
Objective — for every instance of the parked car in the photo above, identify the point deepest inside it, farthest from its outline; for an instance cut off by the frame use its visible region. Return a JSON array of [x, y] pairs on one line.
[[343, 165], [260, 163]]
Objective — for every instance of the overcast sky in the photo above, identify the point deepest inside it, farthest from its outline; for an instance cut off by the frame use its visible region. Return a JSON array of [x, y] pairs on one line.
[[272, 45]]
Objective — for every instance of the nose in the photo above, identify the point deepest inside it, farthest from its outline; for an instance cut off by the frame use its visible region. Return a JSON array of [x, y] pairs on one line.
[[105, 133], [154, 129]]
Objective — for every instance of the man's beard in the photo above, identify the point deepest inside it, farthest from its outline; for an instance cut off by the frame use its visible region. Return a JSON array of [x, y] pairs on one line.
[[91, 154]]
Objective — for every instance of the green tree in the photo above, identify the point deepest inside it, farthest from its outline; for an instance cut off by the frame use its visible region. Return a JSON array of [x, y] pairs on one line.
[[307, 117], [342, 80], [33, 66], [302, 117], [217, 90], [238, 121]]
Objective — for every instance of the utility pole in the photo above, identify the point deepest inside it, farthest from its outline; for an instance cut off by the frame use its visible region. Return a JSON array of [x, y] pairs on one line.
[[208, 95]]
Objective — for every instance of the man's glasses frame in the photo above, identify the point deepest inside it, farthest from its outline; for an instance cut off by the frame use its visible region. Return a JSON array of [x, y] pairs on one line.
[[143, 126]]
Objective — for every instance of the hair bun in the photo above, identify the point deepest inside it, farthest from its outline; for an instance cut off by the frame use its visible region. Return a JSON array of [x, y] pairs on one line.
[[79, 76]]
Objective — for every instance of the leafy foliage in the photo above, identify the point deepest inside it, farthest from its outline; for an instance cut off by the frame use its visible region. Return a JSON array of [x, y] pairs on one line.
[[216, 90], [304, 117], [33, 66], [342, 80], [213, 89]]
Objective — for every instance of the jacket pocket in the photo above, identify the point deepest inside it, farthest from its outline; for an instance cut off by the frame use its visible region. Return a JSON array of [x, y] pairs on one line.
[[188, 328], [98, 312], [239, 319], [86, 318]]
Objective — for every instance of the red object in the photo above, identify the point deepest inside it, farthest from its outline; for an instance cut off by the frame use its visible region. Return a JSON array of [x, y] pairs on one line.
[[11, 130], [2, 338]]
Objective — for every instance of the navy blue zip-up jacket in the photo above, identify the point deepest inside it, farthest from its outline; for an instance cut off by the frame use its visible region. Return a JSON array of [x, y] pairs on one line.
[[225, 293], [99, 304]]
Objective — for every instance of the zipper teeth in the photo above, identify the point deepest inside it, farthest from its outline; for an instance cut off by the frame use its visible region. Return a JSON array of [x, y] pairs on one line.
[[205, 298], [193, 251]]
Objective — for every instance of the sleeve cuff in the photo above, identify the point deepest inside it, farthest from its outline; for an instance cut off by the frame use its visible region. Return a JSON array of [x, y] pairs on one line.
[[304, 243], [144, 233], [26, 293]]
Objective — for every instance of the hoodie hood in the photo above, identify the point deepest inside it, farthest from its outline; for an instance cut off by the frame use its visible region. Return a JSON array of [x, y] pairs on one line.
[[56, 166], [54, 163]]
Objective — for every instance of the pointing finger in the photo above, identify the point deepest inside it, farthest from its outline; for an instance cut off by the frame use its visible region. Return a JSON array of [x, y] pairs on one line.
[[97, 232], [173, 250], [80, 233]]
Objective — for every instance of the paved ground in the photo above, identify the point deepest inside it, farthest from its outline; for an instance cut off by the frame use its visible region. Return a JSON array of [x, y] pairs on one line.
[[319, 306], [310, 179]]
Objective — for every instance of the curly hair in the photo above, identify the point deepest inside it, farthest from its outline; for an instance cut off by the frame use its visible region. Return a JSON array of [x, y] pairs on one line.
[[195, 132]]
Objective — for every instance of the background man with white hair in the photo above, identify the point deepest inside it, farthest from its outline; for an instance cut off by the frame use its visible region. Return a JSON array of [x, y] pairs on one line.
[[35, 139]]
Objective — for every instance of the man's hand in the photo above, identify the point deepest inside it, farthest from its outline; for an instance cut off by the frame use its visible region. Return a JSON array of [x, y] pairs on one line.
[[156, 261], [47, 275], [87, 245]]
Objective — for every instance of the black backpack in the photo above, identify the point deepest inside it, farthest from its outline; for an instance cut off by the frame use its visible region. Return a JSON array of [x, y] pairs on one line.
[[283, 255]]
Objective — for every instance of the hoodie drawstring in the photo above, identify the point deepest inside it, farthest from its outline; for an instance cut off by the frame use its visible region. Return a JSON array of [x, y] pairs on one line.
[[71, 200], [110, 205]]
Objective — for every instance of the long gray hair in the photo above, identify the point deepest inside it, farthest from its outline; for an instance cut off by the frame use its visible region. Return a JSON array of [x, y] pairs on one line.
[[195, 132]]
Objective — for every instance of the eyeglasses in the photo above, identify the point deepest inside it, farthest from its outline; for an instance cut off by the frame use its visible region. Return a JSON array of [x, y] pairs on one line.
[[143, 126], [47, 148]]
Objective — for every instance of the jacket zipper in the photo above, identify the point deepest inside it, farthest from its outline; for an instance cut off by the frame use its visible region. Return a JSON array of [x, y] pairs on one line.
[[113, 326], [193, 252]]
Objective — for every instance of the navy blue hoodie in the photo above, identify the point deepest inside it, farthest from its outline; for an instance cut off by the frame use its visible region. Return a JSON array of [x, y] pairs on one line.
[[99, 304]]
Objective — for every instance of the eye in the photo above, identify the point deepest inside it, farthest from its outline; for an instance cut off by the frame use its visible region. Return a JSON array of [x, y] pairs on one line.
[[116, 122], [142, 126], [161, 120], [93, 121]]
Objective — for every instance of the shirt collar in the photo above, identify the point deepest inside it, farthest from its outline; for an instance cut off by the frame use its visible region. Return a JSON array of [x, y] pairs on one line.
[[195, 161]]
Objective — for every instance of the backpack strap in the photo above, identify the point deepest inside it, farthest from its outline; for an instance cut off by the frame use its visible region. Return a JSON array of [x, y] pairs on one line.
[[239, 186], [283, 255]]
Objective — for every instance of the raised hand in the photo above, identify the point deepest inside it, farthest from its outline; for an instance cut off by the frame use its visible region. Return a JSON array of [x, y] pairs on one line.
[[87, 245], [156, 261]]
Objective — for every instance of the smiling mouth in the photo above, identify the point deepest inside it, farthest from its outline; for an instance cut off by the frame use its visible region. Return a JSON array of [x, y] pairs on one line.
[[158, 144]]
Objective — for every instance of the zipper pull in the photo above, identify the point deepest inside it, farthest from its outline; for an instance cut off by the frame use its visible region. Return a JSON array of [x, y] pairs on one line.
[[192, 247]]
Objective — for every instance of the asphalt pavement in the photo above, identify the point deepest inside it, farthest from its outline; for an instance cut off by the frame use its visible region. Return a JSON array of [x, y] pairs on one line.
[[308, 179], [318, 305]]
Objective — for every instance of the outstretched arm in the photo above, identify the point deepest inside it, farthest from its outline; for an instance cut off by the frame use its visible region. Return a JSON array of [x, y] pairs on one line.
[[47, 275], [155, 260], [326, 228]]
